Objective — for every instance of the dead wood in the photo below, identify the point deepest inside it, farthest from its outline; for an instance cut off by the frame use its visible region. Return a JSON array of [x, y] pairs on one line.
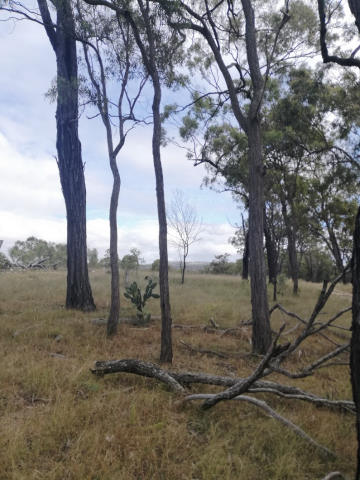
[[138, 367], [246, 383], [188, 378], [310, 369], [334, 476], [264, 406]]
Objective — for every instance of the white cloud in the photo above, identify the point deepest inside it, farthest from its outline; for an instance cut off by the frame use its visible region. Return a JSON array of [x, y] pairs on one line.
[[31, 201], [29, 184]]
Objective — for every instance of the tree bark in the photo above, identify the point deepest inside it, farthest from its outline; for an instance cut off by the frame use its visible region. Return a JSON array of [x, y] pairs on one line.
[[149, 59], [114, 313], [355, 338], [261, 334], [291, 247], [272, 257], [245, 259], [166, 339], [71, 168]]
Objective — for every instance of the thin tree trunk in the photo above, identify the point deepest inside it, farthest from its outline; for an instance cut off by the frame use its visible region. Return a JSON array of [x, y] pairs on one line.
[[114, 313], [71, 169], [261, 334], [272, 254], [183, 270], [355, 338], [245, 259], [291, 247], [166, 338]]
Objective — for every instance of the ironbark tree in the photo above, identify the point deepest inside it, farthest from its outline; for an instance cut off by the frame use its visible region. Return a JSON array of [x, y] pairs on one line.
[[71, 168]]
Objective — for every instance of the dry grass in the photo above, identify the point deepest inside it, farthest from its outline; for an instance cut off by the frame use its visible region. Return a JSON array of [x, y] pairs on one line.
[[58, 421]]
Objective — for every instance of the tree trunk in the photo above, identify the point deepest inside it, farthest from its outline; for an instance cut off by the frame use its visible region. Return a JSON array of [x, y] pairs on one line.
[[291, 247], [355, 338], [183, 267], [261, 334], [245, 259], [70, 164], [336, 252], [113, 319], [71, 169], [272, 256], [166, 339]]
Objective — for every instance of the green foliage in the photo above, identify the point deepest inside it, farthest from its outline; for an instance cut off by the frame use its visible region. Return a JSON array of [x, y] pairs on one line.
[[134, 294], [34, 250], [132, 260], [155, 266], [4, 262], [221, 265]]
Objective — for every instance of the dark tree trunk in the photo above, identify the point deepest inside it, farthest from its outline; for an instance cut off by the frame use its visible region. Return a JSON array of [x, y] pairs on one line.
[[245, 259], [272, 256], [183, 268], [261, 335], [71, 169], [336, 252], [291, 247], [355, 338], [166, 339], [149, 59]]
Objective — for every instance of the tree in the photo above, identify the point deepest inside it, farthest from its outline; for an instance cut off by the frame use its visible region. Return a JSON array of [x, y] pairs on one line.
[[220, 264], [349, 61], [62, 37], [158, 47], [93, 257], [186, 227], [229, 31], [131, 261], [34, 252], [109, 53], [155, 265], [63, 41]]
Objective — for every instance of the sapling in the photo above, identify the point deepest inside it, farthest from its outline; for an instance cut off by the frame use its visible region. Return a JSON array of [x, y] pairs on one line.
[[134, 294]]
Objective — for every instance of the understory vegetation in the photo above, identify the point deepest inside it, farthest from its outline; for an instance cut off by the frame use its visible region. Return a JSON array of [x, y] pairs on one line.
[[59, 421]]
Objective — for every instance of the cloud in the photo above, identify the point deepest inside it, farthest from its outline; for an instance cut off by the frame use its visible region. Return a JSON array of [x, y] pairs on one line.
[[29, 184], [31, 201]]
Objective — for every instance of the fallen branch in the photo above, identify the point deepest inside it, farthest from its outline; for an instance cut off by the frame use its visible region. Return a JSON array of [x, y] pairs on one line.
[[309, 370], [334, 476], [246, 383], [264, 406], [188, 378], [138, 367]]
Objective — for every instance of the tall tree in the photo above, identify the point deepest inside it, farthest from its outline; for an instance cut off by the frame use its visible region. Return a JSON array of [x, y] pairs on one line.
[[347, 60], [158, 51], [109, 53], [71, 168], [239, 48]]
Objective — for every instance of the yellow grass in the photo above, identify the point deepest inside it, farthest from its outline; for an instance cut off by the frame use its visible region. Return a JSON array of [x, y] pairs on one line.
[[58, 421]]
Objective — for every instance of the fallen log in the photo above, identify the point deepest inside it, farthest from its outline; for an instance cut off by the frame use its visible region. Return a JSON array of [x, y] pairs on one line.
[[146, 369]]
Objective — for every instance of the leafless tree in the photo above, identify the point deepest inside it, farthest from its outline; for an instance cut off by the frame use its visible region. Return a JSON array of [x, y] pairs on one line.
[[185, 225]]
